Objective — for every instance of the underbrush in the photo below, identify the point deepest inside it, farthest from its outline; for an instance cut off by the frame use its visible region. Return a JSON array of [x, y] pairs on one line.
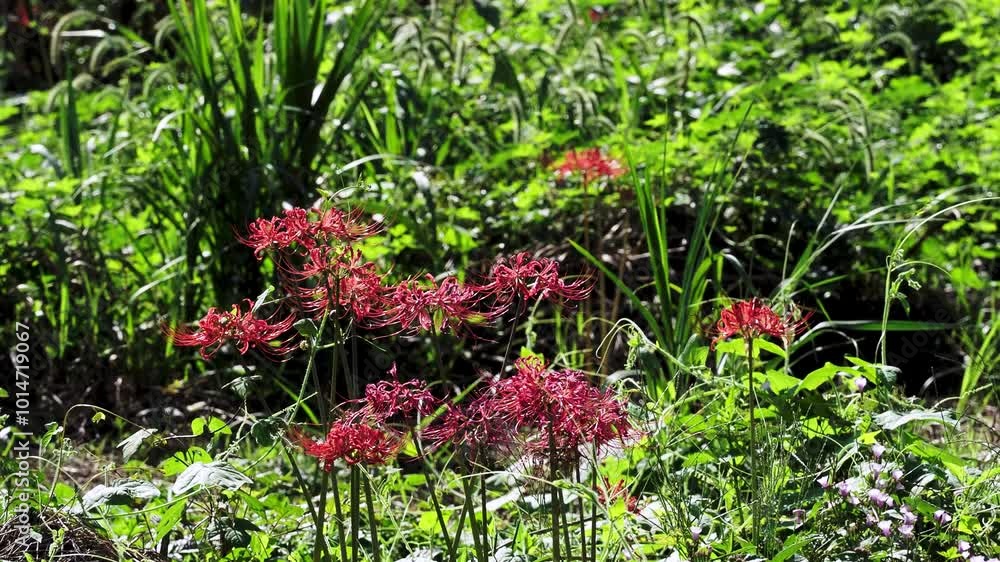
[[751, 459]]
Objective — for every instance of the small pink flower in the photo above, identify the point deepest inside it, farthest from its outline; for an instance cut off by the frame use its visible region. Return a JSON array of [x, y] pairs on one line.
[[879, 498], [824, 482], [398, 402], [877, 451], [860, 383], [279, 233], [696, 533], [942, 517], [909, 518], [906, 530], [897, 475], [844, 488], [885, 527]]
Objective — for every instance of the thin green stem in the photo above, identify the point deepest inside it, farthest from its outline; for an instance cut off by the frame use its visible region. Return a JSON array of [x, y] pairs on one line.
[[339, 513], [473, 522], [355, 515], [438, 360], [321, 518], [583, 522], [458, 532], [593, 516], [372, 524], [310, 366], [556, 497], [485, 525], [752, 450], [516, 305], [432, 490], [302, 484]]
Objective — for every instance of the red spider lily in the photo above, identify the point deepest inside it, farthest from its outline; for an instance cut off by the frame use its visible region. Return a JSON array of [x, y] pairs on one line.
[[525, 277], [339, 281], [563, 406], [217, 328], [478, 429], [390, 400], [279, 233], [448, 307], [752, 319], [535, 405], [608, 495], [346, 227], [296, 228], [354, 442], [591, 163]]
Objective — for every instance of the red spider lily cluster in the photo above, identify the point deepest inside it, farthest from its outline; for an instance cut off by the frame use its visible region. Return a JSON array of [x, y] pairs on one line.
[[751, 319], [237, 326], [325, 272], [554, 415], [352, 441], [391, 401], [528, 278], [591, 164], [377, 428]]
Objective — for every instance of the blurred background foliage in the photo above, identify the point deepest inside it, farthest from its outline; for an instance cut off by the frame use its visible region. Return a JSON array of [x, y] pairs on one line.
[[790, 144]]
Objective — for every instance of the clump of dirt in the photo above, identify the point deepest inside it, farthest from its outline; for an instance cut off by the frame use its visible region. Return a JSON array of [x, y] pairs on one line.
[[57, 535]]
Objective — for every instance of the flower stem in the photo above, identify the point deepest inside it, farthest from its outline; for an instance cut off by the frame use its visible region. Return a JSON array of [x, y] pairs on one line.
[[339, 512], [473, 522], [310, 367], [583, 519], [556, 497], [355, 516], [752, 452], [321, 516], [485, 525], [458, 532], [593, 515], [432, 490], [302, 484], [372, 525]]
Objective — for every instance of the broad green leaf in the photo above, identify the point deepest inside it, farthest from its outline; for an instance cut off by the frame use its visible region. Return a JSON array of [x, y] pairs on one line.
[[306, 327], [779, 380], [131, 444], [214, 474], [169, 519], [819, 377], [197, 426], [893, 420], [121, 492], [215, 425]]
